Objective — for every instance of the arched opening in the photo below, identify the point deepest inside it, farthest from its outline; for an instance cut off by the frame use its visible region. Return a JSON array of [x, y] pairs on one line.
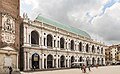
[[87, 61], [98, 50], [50, 61], [49, 40], [101, 50], [35, 61], [80, 46], [93, 49], [87, 47], [81, 59], [34, 38], [62, 43], [72, 45], [93, 61], [102, 61], [72, 59], [98, 61], [62, 61]]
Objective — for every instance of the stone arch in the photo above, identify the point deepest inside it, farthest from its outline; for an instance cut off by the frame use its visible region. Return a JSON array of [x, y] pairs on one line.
[[81, 59], [34, 38], [93, 61], [62, 61], [101, 50], [93, 49], [35, 61], [87, 48], [102, 61], [98, 61], [49, 40], [62, 42], [72, 45], [98, 50], [49, 61], [87, 61], [72, 59], [80, 46]]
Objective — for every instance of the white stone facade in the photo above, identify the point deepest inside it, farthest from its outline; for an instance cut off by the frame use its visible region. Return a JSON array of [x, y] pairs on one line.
[[59, 53]]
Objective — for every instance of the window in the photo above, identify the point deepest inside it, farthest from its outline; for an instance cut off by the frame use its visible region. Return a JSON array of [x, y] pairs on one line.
[[58, 44], [44, 41], [54, 43], [49, 40]]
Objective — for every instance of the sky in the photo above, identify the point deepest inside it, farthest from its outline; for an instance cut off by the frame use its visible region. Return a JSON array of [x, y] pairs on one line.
[[99, 18]]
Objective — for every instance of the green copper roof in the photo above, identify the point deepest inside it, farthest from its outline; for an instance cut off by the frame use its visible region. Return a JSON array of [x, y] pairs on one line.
[[68, 28]]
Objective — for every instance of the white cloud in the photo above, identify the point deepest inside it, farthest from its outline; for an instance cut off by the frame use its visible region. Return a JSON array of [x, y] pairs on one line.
[[79, 13]]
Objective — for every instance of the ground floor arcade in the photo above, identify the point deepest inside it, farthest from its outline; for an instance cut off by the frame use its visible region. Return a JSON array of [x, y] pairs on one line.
[[44, 59]]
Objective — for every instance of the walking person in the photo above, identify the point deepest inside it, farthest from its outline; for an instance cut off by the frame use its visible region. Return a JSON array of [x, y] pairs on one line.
[[84, 68], [81, 67], [10, 70], [89, 67]]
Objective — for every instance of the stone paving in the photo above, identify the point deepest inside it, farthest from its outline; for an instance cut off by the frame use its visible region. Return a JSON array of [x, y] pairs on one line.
[[99, 70]]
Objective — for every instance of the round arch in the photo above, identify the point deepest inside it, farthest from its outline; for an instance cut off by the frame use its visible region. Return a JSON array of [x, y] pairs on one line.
[[93, 61], [62, 41], [49, 40], [49, 61], [35, 61], [34, 38], [87, 48], [80, 46], [98, 61], [62, 61], [72, 59], [93, 49], [72, 45]]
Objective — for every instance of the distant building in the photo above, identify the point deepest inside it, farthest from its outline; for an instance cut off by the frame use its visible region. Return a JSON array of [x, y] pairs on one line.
[[112, 54]]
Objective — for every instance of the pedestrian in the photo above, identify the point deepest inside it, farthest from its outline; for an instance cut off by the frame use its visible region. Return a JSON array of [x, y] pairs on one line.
[[96, 65], [10, 70], [89, 67], [34, 67], [81, 67], [84, 68]]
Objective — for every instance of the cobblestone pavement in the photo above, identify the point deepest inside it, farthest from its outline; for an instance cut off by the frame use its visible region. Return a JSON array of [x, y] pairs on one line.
[[99, 70]]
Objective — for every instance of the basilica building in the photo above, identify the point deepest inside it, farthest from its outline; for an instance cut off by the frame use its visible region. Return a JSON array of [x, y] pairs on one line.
[[46, 43]]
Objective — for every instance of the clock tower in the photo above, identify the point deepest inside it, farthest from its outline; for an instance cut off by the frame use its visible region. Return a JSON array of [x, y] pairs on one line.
[[9, 33]]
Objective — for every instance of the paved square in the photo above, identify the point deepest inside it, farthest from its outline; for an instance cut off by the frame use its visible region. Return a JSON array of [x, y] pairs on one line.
[[100, 70]]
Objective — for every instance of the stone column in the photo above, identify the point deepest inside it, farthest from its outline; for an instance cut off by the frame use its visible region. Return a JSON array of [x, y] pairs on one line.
[[17, 61], [24, 60], [56, 61], [53, 63], [28, 67], [65, 63], [46, 63], [42, 61], [68, 63]]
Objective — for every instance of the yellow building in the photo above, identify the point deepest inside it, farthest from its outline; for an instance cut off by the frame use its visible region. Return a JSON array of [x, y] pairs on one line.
[[112, 54]]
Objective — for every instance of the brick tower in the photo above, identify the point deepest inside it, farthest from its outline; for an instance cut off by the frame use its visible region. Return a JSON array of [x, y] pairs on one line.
[[9, 34]]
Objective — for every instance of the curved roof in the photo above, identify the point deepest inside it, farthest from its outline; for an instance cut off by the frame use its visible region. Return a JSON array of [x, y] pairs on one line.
[[68, 28]]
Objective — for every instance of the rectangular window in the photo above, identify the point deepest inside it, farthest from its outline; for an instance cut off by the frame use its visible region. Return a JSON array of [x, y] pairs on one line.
[[29, 39], [58, 44], [44, 41], [66, 45], [54, 43]]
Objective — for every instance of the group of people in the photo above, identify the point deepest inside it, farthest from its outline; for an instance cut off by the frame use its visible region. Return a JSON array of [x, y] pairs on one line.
[[83, 67]]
